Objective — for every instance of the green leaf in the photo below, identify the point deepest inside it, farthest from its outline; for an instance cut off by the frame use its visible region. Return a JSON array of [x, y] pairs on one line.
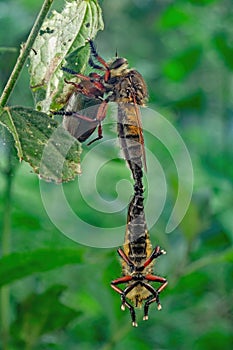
[[219, 337], [225, 50], [178, 67], [193, 216], [19, 265], [201, 2], [41, 314], [60, 35], [50, 150], [193, 101], [173, 17], [226, 256]]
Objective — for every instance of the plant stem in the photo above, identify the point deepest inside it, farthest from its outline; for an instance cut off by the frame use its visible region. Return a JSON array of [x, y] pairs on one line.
[[6, 243], [25, 50]]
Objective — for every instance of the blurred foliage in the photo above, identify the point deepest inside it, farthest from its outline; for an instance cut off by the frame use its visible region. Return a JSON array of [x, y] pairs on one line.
[[184, 50]]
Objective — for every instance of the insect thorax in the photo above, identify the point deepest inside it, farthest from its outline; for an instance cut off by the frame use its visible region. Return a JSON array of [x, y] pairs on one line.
[[128, 87]]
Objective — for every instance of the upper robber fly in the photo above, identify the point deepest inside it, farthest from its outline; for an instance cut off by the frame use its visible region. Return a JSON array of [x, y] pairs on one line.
[[114, 81]]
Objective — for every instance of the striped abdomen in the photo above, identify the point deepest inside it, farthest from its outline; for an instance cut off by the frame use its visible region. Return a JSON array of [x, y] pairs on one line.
[[137, 244], [131, 140]]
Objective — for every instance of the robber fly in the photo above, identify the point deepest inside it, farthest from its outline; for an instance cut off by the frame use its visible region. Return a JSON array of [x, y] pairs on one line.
[[114, 82], [137, 264]]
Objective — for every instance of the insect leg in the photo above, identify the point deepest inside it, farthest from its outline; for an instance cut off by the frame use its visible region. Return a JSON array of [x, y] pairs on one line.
[[74, 114], [114, 284], [71, 71], [78, 87], [124, 257], [101, 114], [132, 313], [123, 294], [96, 55], [155, 292], [99, 137], [99, 59], [93, 89], [89, 77], [93, 65], [90, 86], [157, 251]]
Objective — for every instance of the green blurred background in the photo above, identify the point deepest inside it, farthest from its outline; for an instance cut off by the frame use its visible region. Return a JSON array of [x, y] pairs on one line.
[[184, 50]]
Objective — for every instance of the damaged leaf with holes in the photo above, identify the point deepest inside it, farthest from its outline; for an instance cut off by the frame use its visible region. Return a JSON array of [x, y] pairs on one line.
[[40, 141], [62, 36]]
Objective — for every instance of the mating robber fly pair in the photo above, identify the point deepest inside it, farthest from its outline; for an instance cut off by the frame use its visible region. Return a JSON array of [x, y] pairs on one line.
[[116, 82]]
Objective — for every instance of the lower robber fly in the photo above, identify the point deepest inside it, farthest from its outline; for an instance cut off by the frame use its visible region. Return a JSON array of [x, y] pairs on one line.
[[115, 82], [137, 264]]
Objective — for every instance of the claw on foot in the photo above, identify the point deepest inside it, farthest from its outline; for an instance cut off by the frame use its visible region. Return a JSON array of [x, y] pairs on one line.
[[122, 307]]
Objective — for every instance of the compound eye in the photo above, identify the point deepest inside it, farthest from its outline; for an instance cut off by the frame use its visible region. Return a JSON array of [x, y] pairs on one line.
[[118, 63]]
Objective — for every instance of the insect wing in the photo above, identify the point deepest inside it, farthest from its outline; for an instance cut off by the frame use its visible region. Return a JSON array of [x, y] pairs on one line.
[[141, 138], [81, 107], [131, 139]]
